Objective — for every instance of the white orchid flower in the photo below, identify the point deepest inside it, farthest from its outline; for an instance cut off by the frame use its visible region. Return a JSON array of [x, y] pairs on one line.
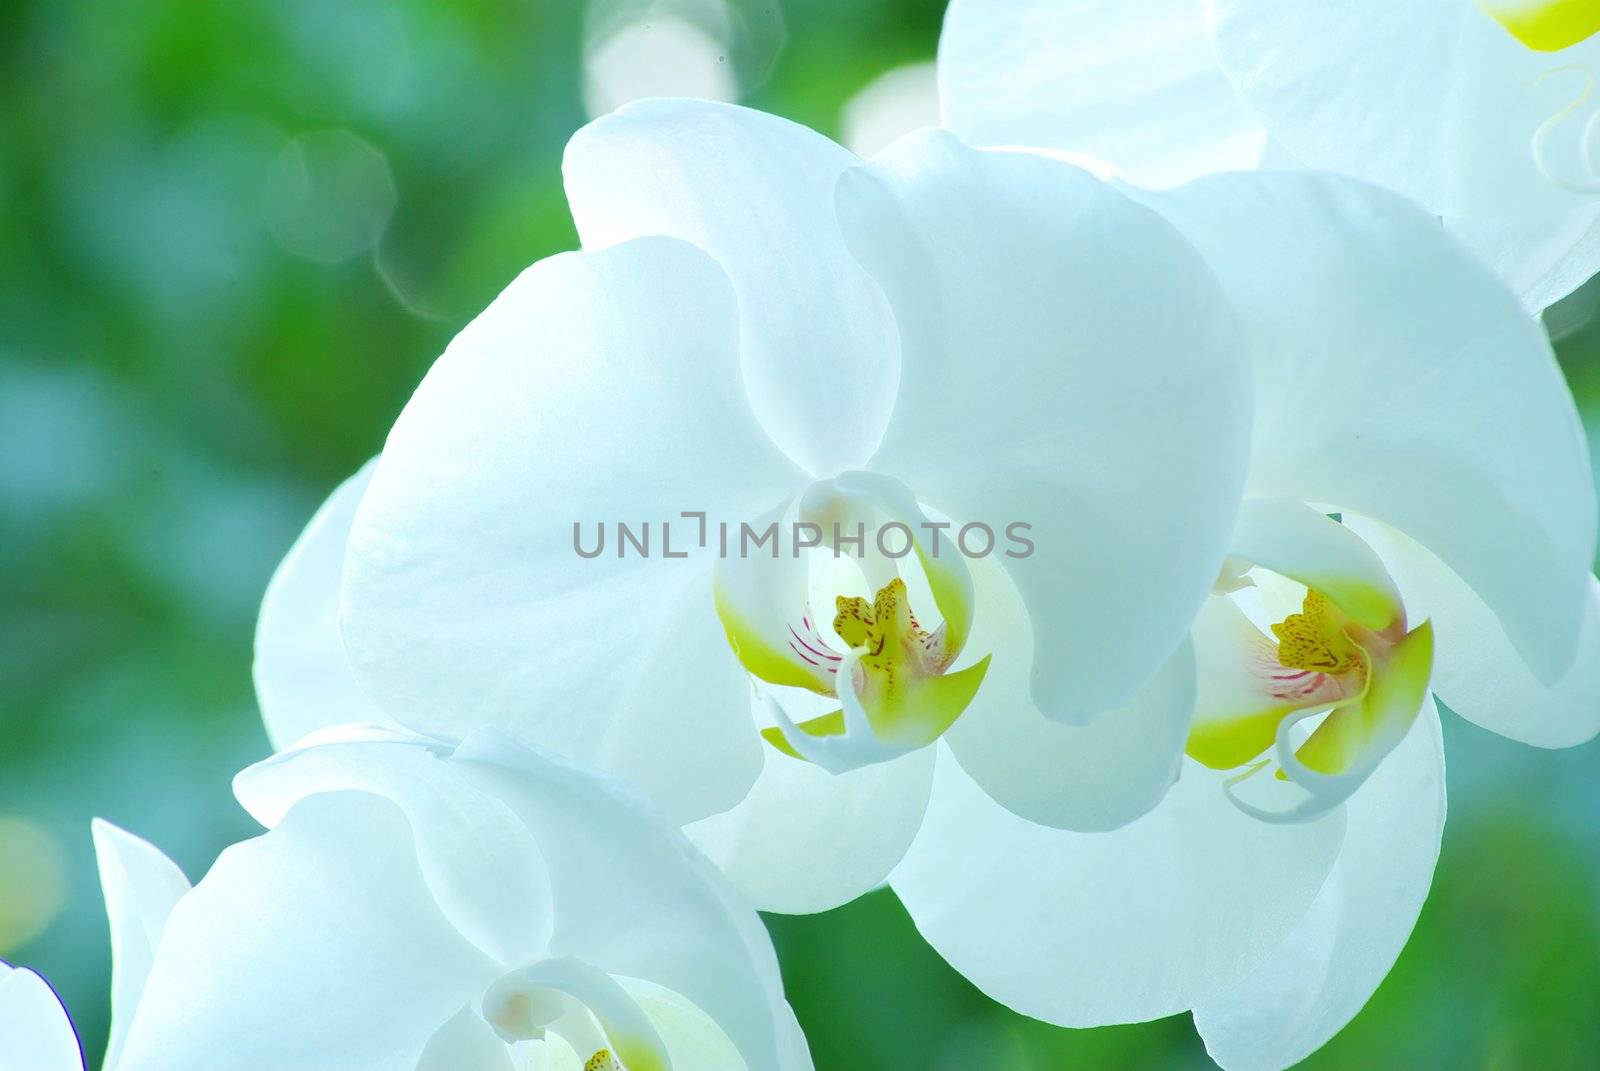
[[36, 1034], [764, 329], [1483, 111], [419, 906], [1419, 517]]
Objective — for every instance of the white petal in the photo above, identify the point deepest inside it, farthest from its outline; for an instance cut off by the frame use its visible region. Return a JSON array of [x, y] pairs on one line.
[[634, 899], [1136, 84], [554, 1055], [303, 678], [465, 1043], [141, 886], [598, 388], [1070, 365], [1438, 102], [1087, 929], [1089, 778], [481, 863], [1326, 968], [315, 946], [806, 840], [819, 348], [1476, 670], [792, 1043], [626, 893], [1396, 378], [35, 1031]]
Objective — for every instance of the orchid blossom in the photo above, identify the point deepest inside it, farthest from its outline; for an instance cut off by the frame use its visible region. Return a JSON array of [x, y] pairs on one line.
[[1419, 518], [1483, 111], [762, 330], [1407, 428], [415, 905]]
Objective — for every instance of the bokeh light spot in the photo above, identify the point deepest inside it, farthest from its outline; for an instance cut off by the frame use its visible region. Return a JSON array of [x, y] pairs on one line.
[[895, 103], [33, 881], [329, 195], [659, 53]]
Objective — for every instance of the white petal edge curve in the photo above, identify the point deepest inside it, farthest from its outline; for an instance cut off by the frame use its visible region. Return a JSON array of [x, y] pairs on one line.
[[36, 1033], [805, 840], [467, 1041], [303, 677], [817, 341], [1088, 929], [481, 864], [1329, 965], [141, 887], [324, 922], [613, 856], [1136, 84], [1476, 670], [1089, 778]]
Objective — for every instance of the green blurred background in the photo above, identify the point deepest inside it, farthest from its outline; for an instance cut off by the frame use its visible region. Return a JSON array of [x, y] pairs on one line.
[[232, 238]]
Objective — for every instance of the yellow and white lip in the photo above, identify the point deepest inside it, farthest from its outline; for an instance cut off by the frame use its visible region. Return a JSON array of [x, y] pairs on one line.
[[1546, 25], [884, 645], [1345, 653]]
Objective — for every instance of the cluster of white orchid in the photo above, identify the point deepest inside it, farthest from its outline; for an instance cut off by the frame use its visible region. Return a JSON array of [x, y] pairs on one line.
[[1293, 453]]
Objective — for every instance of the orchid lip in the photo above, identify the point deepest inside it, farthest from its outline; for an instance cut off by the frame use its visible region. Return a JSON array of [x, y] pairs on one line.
[[887, 657], [1346, 657]]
